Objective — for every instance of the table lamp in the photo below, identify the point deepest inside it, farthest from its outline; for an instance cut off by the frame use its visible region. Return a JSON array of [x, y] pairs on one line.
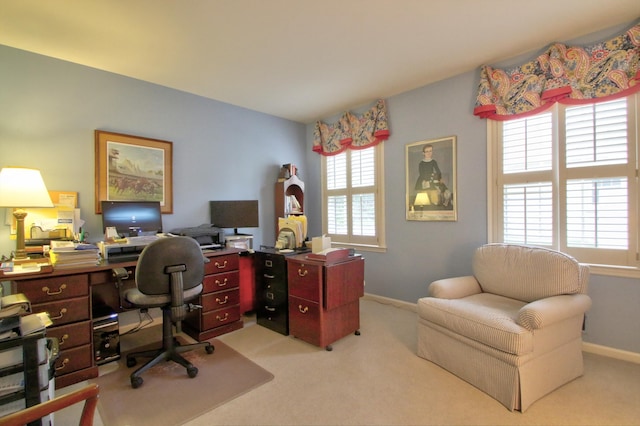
[[22, 188]]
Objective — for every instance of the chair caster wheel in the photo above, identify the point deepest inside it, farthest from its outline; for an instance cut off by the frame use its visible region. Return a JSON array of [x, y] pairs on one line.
[[192, 372], [357, 333], [131, 362], [136, 382], [329, 348], [210, 349]]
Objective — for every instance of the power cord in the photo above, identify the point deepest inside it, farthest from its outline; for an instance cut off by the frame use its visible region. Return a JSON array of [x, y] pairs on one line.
[[143, 315]]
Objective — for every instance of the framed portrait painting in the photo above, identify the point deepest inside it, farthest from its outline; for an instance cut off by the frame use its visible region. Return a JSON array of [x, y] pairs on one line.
[[133, 168], [431, 180]]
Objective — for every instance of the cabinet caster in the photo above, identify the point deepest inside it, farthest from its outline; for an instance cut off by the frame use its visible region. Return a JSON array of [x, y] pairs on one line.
[[210, 349], [136, 382], [192, 372], [131, 362], [357, 333], [329, 348]]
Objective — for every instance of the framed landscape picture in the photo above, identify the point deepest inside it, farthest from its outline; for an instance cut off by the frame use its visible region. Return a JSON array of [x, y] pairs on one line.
[[431, 180], [133, 168]]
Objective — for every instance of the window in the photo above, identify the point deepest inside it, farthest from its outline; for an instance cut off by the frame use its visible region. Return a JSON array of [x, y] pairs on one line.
[[567, 179], [353, 198]]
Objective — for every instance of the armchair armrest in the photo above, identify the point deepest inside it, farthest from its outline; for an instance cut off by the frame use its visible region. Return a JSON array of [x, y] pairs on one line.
[[454, 288], [544, 312]]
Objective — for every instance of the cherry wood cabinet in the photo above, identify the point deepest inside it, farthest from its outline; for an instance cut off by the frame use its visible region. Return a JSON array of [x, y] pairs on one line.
[[67, 300], [324, 303], [220, 299]]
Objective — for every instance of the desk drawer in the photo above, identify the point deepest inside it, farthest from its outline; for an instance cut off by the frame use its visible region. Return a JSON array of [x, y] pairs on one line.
[[219, 264], [221, 299], [224, 281], [220, 317], [304, 319], [305, 280], [71, 335], [74, 359], [54, 288], [65, 311]]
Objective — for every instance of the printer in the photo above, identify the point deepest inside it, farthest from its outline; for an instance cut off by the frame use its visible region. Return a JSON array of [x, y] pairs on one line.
[[207, 235]]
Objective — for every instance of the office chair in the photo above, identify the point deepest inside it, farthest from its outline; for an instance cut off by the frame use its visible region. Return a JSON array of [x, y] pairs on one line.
[[169, 273]]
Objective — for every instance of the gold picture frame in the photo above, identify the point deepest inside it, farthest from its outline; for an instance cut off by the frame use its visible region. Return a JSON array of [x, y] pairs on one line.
[[133, 168], [431, 187]]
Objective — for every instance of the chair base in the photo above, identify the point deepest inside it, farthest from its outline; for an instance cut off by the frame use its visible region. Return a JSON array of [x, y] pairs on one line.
[[170, 351]]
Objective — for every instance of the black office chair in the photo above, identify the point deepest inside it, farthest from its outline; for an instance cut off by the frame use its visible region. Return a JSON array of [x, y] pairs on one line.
[[169, 273]]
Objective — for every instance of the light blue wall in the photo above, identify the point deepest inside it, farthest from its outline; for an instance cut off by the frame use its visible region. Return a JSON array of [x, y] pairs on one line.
[[49, 110], [421, 252]]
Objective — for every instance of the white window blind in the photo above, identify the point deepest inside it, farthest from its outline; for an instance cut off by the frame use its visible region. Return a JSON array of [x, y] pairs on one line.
[[352, 203], [566, 179]]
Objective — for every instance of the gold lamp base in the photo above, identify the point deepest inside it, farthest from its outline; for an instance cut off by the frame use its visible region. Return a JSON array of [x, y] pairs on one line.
[[21, 252]]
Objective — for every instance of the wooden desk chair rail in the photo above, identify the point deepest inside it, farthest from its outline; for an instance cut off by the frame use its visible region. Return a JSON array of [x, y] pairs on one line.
[[88, 394]]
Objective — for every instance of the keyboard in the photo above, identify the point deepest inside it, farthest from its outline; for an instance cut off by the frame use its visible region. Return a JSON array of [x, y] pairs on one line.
[[144, 239]]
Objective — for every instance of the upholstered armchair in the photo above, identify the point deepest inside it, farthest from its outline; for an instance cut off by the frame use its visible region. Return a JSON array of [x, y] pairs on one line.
[[514, 328]]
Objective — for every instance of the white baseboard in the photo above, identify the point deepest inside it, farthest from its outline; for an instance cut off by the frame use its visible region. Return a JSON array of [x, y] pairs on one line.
[[413, 307], [586, 347], [611, 352]]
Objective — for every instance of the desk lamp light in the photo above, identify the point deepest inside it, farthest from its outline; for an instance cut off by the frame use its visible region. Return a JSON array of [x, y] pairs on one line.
[[22, 188]]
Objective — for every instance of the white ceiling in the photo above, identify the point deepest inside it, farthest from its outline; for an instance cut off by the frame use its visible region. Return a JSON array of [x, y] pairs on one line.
[[298, 59]]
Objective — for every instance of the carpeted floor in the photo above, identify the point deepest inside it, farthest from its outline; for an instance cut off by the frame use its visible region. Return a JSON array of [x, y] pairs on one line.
[[222, 376]]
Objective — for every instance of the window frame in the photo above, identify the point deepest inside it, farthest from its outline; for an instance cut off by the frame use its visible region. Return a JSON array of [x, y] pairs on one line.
[[377, 243], [558, 176]]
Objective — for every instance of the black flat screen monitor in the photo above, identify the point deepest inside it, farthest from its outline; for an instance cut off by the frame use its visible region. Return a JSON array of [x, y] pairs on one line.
[[132, 218], [234, 214]]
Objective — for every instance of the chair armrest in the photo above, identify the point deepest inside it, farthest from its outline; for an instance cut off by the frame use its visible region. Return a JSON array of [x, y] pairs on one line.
[[454, 288], [544, 312], [88, 394]]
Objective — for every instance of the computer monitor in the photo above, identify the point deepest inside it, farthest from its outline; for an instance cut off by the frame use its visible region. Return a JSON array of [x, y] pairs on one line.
[[234, 214], [132, 218]]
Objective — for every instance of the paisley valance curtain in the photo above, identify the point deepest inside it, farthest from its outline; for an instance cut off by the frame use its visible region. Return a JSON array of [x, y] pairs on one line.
[[565, 74], [352, 131]]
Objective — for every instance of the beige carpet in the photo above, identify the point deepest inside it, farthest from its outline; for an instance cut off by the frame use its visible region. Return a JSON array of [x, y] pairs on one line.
[[222, 376]]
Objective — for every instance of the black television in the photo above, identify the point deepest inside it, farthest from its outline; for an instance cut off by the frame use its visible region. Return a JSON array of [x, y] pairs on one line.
[[234, 214], [132, 218]]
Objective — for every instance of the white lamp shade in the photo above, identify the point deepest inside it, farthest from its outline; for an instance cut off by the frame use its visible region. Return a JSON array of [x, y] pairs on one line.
[[21, 188]]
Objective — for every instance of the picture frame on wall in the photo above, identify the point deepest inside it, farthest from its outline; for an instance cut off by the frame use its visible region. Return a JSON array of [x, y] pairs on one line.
[[430, 167], [133, 168]]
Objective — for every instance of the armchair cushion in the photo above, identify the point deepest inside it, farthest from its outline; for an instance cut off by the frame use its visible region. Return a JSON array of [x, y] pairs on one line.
[[486, 318]]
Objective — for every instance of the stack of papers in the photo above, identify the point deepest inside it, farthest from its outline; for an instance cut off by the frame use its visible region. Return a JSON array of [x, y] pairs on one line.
[[66, 254]]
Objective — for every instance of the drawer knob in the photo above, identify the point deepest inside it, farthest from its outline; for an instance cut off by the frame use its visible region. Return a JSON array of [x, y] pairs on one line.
[[224, 318], [62, 312], [303, 310], [63, 365], [47, 290], [221, 266], [302, 273], [223, 283], [222, 302]]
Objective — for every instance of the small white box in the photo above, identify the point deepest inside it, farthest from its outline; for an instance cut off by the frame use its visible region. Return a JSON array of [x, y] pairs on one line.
[[320, 243]]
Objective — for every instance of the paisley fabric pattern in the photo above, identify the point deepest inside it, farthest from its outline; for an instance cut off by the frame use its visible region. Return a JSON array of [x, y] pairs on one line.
[[569, 75], [352, 131]]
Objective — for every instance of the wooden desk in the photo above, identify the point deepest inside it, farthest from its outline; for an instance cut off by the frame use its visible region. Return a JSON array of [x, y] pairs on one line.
[[68, 295]]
